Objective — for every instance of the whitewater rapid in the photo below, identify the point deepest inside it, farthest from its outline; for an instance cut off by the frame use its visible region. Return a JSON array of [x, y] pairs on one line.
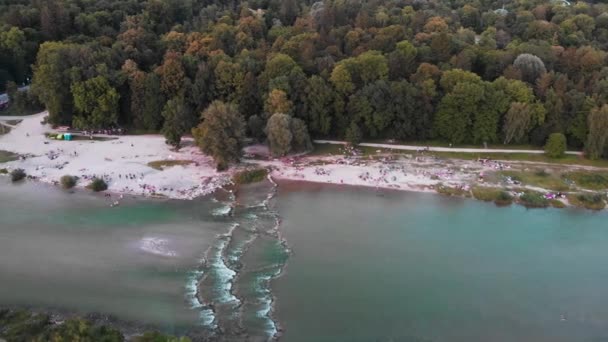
[[231, 287]]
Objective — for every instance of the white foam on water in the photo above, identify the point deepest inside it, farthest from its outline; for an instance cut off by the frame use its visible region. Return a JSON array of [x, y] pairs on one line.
[[191, 289], [157, 246], [222, 211], [237, 252], [207, 318], [224, 274], [206, 315], [251, 216], [266, 300]]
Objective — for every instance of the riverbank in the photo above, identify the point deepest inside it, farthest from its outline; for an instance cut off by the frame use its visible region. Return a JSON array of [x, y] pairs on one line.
[[504, 182], [137, 165], [145, 165]]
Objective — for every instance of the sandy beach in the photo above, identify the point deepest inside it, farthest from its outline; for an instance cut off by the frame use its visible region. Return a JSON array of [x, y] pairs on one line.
[[121, 161]]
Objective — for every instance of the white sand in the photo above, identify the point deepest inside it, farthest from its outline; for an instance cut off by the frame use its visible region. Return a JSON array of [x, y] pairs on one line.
[[129, 155], [400, 174], [112, 160]]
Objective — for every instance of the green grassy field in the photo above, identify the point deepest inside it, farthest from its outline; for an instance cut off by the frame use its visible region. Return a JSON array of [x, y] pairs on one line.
[[539, 158]]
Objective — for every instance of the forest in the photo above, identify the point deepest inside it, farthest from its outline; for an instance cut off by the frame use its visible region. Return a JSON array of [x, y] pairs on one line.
[[458, 71]]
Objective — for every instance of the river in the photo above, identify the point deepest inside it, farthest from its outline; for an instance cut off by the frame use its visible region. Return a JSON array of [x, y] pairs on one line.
[[346, 264]]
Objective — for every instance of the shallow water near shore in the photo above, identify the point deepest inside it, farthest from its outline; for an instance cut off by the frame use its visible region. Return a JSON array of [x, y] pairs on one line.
[[345, 264]]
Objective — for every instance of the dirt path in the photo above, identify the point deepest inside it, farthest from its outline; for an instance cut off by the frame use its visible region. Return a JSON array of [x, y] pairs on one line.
[[441, 149]]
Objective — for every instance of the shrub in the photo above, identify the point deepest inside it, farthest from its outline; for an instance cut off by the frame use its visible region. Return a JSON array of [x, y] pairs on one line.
[[97, 185], [68, 182], [452, 191], [17, 175], [503, 198], [3, 171], [556, 145], [532, 199], [589, 201], [485, 194], [250, 176]]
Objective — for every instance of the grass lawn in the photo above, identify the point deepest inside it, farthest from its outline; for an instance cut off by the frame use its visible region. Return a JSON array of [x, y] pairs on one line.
[[335, 149], [161, 164], [540, 178], [539, 158], [588, 179], [436, 143]]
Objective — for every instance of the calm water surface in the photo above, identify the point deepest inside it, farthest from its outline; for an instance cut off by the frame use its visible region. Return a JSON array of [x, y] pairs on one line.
[[362, 267], [74, 252], [420, 267]]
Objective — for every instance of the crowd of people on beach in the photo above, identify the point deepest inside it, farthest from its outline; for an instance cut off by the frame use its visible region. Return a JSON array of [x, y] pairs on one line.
[[111, 131]]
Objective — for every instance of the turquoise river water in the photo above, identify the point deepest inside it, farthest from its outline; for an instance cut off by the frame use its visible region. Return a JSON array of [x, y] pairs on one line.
[[309, 263]]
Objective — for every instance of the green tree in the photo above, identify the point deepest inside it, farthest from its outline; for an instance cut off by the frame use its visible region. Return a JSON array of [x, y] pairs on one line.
[[556, 145], [402, 61], [531, 66], [598, 132], [171, 74], [319, 98], [153, 96], [221, 134], [52, 80], [178, 120], [278, 102], [255, 124], [520, 119], [353, 134], [451, 78], [278, 131], [96, 102], [301, 138], [456, 110]]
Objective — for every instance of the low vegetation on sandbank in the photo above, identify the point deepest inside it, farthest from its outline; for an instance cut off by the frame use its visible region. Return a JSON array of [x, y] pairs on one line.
[[452, 191], [556, 180], [591, 201], [487, 194], [250, 176], [7, 156], [97, 185], [17, 175], [68, 182], [527, 198], [162, 164]]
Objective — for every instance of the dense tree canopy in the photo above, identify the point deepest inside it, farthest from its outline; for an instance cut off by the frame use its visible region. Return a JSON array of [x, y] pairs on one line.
[[221, 134], [462, 72]]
